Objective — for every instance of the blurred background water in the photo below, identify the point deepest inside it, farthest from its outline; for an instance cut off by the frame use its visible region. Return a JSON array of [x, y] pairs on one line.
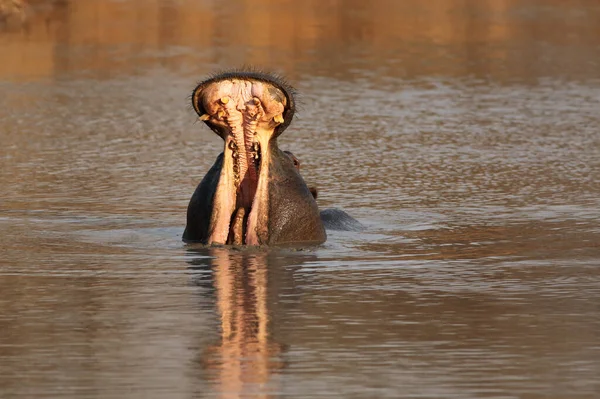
[[463, 133]]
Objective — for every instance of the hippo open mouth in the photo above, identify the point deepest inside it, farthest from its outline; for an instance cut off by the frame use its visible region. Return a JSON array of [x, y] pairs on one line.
[[257, 183]]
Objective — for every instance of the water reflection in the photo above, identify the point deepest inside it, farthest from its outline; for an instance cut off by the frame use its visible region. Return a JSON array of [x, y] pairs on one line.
[[464, 133], [246, 359], [504, 39]]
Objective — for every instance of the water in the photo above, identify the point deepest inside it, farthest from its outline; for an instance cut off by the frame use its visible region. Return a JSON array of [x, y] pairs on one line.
[[463, 134]]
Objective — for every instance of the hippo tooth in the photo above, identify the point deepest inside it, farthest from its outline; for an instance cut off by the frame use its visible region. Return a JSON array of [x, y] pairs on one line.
[[220, 114], [224, 100], [205, 117], [278, 118]]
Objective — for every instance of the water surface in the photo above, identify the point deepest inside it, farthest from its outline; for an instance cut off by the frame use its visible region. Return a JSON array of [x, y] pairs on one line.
[[463, 134]]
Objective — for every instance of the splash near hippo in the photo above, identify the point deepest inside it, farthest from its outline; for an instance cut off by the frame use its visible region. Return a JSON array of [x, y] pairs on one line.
[[253, 194]]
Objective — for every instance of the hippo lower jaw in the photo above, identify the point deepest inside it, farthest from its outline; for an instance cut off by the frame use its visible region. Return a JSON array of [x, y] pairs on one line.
[[240, 199]]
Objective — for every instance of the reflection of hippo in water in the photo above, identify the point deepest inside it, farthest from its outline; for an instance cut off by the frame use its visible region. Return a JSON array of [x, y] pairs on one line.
[[253, 194]]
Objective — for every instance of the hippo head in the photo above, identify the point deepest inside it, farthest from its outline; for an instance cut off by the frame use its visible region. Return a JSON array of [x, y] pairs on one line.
[[253, 194]]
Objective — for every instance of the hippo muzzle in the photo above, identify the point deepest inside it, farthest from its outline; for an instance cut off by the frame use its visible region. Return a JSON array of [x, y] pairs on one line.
[[253, 194]]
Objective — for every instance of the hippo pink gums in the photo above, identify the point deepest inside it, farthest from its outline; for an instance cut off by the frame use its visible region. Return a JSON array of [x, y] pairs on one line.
[[253, 194]]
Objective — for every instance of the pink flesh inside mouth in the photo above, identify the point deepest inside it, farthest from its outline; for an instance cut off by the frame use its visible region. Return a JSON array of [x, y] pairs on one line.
[[246, 113]]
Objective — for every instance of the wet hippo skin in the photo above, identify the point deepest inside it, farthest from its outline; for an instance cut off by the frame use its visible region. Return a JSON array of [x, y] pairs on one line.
[[253, 194], [332, 218]]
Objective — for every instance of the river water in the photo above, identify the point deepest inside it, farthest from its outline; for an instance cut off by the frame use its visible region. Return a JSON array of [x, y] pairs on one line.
[[464, 134]]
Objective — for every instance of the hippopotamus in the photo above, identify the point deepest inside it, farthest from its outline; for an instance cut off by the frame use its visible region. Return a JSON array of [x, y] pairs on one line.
[[254, 193]]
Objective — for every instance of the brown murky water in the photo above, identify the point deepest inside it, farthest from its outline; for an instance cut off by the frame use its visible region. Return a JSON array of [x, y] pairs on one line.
[[464, 134]]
